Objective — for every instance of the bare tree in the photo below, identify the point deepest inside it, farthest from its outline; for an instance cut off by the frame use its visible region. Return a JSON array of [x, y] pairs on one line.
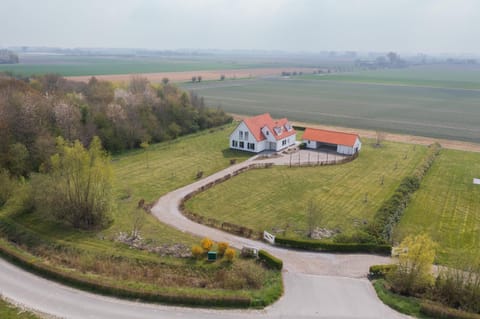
[[314, 215], [199, 78], [137, 222], [194, 79], [144, 145], [380, 136], [138, 84]]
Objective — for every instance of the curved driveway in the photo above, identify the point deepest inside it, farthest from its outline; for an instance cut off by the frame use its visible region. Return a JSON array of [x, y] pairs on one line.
[[317, 285]]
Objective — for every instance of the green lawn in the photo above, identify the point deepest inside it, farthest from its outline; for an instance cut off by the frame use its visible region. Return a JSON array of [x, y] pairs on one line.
[[8, 311], [170, 166], [447, 206], [407, 305], [276, 198]]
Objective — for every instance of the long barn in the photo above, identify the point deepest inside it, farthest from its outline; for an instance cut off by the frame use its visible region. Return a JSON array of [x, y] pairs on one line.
[[343, 143]]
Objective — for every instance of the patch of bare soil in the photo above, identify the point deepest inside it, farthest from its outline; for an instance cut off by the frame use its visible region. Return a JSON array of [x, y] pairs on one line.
[[185, 76], [422, 140]]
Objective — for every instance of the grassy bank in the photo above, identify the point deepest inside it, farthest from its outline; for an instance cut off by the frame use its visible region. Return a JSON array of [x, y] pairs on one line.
[[156, 269], [9, 311], [447, 206]]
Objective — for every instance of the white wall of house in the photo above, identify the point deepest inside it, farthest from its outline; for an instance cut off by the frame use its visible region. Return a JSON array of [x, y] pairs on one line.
[[241, 138], [286, 142], [269, 135]]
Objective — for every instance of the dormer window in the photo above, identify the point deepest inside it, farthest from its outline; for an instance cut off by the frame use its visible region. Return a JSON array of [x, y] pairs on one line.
[[288, 126], [278, 130]]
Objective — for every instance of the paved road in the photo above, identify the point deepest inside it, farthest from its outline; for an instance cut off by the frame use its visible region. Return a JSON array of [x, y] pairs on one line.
[[307, 296], [317, 285]]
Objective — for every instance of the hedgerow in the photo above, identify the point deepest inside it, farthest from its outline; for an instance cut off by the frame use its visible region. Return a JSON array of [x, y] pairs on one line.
[[389, 214]]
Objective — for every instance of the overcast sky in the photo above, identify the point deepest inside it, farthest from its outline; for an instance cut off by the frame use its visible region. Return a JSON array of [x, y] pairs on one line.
[[293, 25]]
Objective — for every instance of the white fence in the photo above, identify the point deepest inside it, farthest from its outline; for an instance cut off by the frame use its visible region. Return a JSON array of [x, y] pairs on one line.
[[269, 237]]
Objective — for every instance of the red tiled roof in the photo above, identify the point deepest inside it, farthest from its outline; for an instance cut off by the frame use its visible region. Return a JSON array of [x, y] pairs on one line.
[[256, 123], [330, 137]]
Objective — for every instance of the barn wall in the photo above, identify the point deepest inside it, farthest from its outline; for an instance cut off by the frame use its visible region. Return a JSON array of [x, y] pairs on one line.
[[346, 150], [310, 144]]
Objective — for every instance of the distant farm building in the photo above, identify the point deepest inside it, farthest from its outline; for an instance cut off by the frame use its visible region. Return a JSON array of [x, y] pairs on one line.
[[262, 133], [343, 143]]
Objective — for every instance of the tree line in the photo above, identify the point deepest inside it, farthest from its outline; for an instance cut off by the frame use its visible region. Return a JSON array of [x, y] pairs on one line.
[[35, 111]]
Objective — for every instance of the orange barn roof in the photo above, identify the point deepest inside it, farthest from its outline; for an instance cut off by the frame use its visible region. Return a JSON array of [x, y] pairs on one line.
[[256, 123], [330, 137]]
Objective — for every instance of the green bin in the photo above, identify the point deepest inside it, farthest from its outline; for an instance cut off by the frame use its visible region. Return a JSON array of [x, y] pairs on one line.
[[212, 256]]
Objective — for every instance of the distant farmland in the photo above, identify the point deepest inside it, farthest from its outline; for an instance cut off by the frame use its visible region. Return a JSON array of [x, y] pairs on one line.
[[449, 113], [97, 65]]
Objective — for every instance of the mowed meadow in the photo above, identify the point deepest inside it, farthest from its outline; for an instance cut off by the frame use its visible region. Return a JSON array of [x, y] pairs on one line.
[[447, 206], [276, 199], [400, 101], [164, 167]]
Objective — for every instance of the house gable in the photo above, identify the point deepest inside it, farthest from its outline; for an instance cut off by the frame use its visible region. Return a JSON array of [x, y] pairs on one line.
[[261, 132]]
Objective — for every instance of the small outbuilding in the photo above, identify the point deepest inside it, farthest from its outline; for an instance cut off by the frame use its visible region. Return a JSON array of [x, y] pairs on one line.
[[340, 142]]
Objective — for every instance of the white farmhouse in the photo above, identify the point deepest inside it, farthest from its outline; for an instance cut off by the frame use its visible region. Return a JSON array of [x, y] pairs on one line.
[[343, 143], [261, 133]]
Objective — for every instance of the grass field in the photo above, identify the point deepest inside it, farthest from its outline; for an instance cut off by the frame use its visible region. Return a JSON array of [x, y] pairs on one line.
[[8, 311], [441, 76], [95, 255], [170, 166], [276, 198], [447, 206], [409, 109], [95, 65]]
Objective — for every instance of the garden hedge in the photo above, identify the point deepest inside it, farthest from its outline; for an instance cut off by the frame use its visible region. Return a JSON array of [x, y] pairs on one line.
[[306, 244], [116, 291], [270, 260], [389, 214], [380, 271], [439, 311]]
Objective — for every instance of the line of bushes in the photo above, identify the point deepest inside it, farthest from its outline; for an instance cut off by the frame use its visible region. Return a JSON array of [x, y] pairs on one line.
[[51, 273], [380, 271], [308, 244], [269, 260], [439, 311], [225, 226], [389, 214]]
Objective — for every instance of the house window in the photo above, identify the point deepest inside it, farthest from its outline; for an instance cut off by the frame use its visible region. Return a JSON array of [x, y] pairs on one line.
[[234, 143], [284, 142], [246, 135], [242, 145], [240, 135], [251, 146], [268, 133]]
